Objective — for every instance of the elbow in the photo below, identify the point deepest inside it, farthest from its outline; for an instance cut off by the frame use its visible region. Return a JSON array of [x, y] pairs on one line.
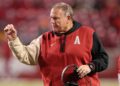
[[104, 63], [105, 66], [26, 60], [100, 66]]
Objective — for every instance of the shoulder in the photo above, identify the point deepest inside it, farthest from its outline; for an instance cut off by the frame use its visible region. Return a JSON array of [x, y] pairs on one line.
[[86, 29], [46, 35]]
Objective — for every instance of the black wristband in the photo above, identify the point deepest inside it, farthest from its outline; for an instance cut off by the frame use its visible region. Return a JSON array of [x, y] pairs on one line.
[[92, 66]]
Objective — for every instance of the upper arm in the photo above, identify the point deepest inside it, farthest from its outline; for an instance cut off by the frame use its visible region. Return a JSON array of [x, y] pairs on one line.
[[33, 50]]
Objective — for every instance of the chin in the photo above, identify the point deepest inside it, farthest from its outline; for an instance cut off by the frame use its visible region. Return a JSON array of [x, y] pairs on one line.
[[56, 30]]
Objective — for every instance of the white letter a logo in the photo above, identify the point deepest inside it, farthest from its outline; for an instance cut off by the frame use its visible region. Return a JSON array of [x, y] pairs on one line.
[[77, 40]]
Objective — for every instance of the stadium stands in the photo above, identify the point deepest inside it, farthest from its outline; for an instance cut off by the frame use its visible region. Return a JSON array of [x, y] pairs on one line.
[[31, 17]]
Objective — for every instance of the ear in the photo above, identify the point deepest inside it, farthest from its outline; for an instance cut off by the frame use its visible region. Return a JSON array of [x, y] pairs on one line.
[[69, 17]]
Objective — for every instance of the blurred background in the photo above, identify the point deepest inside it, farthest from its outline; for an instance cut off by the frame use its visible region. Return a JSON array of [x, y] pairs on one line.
[[31, 18]]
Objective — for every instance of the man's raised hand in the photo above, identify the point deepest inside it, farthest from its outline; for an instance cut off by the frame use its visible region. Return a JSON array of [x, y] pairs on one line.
[[10, 32]]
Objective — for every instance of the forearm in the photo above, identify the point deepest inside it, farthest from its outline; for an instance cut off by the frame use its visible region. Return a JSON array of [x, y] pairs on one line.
[[25, 54], [100, 63]]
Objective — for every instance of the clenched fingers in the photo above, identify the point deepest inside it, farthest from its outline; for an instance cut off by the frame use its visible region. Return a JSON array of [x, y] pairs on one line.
[[83, 70], [10, 32], [9, 29]]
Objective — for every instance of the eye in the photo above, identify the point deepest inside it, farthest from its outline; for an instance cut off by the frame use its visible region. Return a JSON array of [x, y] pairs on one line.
[[54, 18]]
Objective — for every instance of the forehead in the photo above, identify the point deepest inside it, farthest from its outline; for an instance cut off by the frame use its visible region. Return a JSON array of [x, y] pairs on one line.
[[57, 12]]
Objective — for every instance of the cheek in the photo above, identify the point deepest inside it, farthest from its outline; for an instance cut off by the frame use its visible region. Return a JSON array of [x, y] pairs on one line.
[[64, 23]]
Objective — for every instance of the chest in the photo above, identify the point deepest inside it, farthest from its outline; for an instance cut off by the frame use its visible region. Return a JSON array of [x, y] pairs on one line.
[[77, 47]]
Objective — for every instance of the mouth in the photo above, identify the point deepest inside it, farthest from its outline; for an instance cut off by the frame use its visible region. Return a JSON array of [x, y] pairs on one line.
[[54, 25]]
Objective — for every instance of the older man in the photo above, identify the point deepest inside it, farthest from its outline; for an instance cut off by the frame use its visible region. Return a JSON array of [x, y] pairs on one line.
[[68, 43]]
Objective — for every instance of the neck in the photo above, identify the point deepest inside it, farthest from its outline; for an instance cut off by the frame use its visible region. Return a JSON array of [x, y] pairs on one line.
[[70, 25]]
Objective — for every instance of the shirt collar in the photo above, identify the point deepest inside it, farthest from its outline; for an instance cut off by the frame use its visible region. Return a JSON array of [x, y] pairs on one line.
[[76, 25]]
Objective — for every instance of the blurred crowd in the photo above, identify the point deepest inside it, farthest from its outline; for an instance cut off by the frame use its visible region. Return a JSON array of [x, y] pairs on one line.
[[31, 18]]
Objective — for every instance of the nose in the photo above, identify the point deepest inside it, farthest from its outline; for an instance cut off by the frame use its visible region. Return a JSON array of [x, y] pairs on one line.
[[52, 21]]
